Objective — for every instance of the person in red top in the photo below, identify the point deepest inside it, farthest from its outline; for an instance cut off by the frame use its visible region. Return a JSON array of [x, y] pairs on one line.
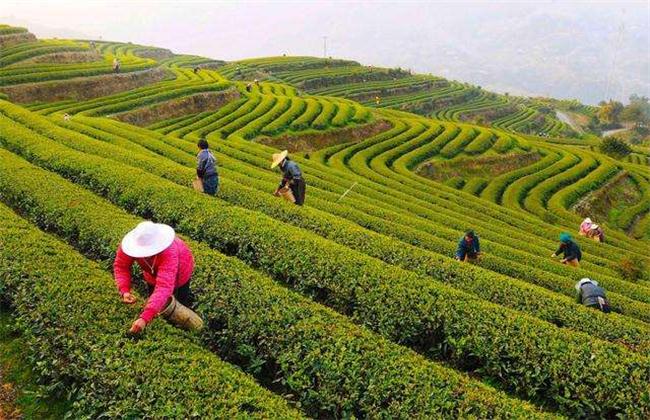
[[166, 262]]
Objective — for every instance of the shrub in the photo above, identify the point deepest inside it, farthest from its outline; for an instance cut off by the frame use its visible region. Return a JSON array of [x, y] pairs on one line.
[[519, 351], [631, 268], [75, 326], [615, 147], [276, 334]]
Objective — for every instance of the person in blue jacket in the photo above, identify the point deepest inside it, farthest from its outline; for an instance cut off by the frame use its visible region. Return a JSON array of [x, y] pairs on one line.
[[291, 177], [206, 168], [469, 248]]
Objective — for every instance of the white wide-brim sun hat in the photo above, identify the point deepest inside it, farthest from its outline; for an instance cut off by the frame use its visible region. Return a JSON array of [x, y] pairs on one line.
[[583, 281], [277, 158], [148, 239]]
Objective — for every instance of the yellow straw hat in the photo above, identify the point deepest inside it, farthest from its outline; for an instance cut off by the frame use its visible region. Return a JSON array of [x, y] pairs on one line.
[[278, 158]]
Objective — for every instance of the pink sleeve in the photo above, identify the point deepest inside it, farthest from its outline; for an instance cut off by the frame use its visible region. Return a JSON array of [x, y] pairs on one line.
[[122, 271], [165, 283]]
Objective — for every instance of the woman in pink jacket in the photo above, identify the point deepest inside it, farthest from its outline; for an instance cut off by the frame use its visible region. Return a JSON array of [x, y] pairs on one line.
[[166, 263], [585, 227]]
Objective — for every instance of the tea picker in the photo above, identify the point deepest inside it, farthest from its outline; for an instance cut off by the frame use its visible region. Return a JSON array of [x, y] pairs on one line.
[[596, 233], [592, 295], [591, 230], [569, 249], [292, 186], [469, 247], [585, 226], [207, 177], [167, 264]]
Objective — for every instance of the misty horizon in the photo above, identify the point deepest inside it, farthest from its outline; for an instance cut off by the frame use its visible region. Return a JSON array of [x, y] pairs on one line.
[[585, 50]]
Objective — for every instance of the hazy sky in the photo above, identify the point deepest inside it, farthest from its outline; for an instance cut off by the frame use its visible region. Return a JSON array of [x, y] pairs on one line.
[[547, 46]]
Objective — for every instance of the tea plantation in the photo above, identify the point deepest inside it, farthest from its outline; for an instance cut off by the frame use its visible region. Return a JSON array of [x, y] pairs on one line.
[[351, 306]]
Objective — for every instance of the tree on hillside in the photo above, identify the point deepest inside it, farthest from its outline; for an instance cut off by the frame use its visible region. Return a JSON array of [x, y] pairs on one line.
[[615, 147], [609, 112], [637, 112]]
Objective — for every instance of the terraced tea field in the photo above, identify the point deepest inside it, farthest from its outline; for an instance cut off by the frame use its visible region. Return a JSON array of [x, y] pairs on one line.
[[399, 89], [351, 306]]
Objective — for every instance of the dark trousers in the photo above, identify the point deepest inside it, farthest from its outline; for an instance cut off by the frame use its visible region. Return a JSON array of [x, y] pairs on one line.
[[182, 294], [211, 184], [605, 308], [470, 257], [298, 187]]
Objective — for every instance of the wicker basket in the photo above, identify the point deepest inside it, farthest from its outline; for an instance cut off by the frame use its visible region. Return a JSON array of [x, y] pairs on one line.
[[198, 184], [287, 194], [181, 316]]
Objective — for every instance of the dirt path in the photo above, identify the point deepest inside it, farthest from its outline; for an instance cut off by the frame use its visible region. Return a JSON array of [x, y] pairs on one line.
[[8, 409], [608, 133], [568, 120]]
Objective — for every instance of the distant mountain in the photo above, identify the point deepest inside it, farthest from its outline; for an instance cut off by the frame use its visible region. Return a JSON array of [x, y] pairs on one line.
[[563, 50], [590, 57]]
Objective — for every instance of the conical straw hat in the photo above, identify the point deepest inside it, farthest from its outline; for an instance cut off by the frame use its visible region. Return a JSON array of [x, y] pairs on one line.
[[278, 158]]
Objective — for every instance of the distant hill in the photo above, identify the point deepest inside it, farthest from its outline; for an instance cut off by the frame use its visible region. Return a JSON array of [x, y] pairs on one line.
[[547, 53]]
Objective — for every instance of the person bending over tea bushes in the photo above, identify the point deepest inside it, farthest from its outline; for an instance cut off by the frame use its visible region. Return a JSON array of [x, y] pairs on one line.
[[569, 249], [469, 248], [292, 179], [166, 262]]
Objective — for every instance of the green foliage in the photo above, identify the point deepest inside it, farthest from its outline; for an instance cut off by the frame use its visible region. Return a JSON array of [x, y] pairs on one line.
[[609, 113], [637, 111], [480, 144], [32, 399], [275, 334], [632, 268], [615, 147], [331, 273], [75, 327], [381, 256], [6, 30]]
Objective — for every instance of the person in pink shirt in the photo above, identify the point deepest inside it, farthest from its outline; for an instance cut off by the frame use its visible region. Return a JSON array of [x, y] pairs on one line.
[[585, 227], [166, 262]]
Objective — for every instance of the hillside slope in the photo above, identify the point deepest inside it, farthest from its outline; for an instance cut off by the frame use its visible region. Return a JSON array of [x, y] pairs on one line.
[[351, 306]]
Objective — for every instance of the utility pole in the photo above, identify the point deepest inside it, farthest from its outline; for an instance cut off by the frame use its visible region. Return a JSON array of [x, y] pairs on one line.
[[324, 47]]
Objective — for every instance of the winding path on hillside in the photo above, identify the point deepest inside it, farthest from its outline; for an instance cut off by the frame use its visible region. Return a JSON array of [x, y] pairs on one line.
[[565, 118], [608, 133]]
